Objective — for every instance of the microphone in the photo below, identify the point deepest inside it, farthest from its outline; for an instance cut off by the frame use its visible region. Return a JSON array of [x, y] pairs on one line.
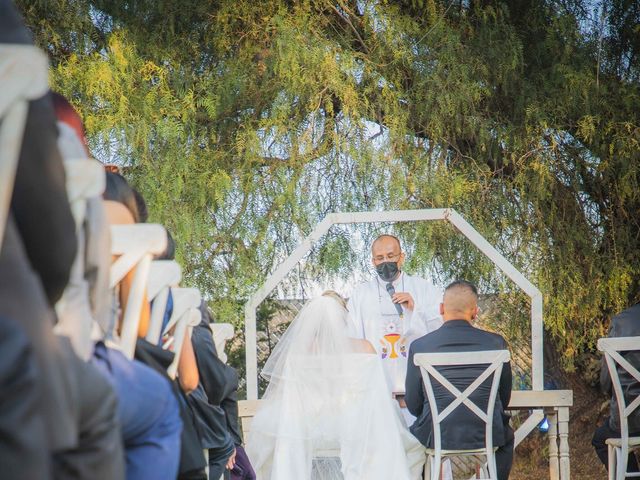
[[391, 291]]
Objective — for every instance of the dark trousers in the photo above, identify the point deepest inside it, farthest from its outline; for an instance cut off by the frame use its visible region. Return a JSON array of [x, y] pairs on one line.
[[504, 459], [601, 435], [504, 454]]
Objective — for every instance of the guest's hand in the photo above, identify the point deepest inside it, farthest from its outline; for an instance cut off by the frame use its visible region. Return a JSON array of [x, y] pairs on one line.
[[232, 460], [405, 299]]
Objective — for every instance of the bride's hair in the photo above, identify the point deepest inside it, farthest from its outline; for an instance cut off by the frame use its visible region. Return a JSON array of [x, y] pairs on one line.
[[336, 296], [319, 330]]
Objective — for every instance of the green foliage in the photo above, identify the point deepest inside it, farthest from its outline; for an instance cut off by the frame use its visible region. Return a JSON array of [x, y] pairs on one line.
[[243, 123]]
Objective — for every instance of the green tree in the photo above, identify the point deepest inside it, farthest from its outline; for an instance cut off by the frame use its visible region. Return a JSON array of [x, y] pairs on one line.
[[243, 123]]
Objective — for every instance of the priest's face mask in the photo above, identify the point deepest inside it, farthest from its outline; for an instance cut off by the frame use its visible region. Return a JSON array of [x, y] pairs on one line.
[[387, 257]]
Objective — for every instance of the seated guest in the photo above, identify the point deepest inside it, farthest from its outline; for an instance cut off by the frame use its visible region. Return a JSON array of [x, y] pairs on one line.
[[122, 208], [242, 469], [146, 409], [220, 403], [32, 280], [206, 401], [462, 429], [625, 324], [68, 410]]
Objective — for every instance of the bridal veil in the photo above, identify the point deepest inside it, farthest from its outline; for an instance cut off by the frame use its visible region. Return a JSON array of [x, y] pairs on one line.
[[327, 414]]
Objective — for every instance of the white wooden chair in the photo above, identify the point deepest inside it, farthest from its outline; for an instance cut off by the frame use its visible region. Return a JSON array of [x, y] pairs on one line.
[[222, 333], [85, 179], [427, 362], [186, 315], [23, 76], [134, 245], [619, 448], [163, 274]]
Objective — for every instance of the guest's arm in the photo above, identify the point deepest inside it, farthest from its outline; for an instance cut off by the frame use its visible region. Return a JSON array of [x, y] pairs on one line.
[[187, 367], [506, 381], [210, 367], [414, 393], [145, 310]]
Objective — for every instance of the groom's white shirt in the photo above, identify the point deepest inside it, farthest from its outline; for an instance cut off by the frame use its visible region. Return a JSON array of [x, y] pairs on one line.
[[373, 316]]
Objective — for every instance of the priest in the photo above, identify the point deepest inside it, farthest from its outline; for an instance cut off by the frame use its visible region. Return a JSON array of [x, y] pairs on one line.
[[393, 309]]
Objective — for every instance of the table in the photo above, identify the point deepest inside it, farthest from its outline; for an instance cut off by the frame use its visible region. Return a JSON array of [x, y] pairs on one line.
[[555, 405]]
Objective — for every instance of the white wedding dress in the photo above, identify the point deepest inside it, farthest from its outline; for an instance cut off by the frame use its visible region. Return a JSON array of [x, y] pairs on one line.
[[327, 413]]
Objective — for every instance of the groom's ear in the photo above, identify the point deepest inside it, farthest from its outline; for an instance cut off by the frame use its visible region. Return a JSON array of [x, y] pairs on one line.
[[442, 309]]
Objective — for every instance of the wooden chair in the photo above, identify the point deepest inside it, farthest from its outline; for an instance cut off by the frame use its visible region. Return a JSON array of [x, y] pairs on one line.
[[427, 363], [134, 245], [222, 333], [85, 180], [23, 76], [619, 448], [186, 315], [163, 274]]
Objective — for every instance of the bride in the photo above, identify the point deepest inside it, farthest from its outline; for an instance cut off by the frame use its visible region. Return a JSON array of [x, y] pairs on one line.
[[327, 414]]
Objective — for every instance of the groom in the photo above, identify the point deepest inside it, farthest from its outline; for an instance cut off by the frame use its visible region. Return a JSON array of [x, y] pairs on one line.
[[462, 429], [392, 309]]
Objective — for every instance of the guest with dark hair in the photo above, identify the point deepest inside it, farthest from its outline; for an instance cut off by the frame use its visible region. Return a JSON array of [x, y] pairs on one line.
[[32, 279], [147, 410], [118, 190], [169, 252], [143, 213]]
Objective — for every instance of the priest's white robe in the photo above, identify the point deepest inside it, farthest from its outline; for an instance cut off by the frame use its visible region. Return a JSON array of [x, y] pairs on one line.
[[373, 316]]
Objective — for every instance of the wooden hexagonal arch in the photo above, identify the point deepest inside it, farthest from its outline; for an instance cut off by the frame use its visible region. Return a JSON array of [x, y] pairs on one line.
[[446, 214]]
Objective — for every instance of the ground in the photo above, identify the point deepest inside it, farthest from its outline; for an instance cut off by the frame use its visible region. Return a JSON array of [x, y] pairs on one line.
[[587, 412]]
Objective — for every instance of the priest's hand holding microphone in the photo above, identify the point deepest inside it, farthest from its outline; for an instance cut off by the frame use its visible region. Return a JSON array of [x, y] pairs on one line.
[[400, 298]]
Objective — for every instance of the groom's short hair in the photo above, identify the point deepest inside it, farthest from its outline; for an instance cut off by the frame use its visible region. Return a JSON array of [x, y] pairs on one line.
[[460, 296]]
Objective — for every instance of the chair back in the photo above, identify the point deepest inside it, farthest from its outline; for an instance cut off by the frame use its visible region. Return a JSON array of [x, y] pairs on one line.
[[85, 180], [495, 359], [134, 245], [221, 332], [163, 274], [186, 315], [24, 77], [612, 348]]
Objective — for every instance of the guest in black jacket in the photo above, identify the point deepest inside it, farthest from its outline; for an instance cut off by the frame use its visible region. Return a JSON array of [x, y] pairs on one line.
[[206, 400], [33, 277], [625, 324], [37, 253], [462, 429]]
